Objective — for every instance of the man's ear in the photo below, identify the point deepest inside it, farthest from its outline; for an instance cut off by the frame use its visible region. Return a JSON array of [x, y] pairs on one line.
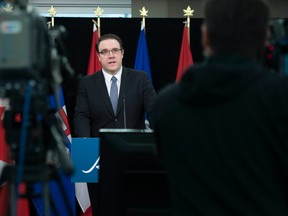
[[268, 36], [122, 53], [205, 41], [204, 36]]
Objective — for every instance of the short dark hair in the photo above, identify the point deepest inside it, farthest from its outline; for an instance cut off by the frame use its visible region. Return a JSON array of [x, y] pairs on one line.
[[237, 26], [107, 37]]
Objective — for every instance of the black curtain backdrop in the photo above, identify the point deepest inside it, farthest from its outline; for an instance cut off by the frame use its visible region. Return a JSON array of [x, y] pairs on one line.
[[163, 35]]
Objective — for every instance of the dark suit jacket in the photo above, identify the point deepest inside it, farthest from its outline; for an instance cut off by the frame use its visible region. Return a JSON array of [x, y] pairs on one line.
[[94, 110]]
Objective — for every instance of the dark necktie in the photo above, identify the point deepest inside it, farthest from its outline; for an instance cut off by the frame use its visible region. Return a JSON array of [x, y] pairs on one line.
[[114, 93]]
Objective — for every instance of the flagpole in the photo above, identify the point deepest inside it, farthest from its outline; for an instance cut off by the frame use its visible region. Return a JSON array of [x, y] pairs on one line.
[[99, 26], [143, 13], [62, 187], [98, 12], [188, 12], [52, 12]]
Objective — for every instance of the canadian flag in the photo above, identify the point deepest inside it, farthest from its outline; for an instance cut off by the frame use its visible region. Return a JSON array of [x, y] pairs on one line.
[[22, 204], [94, 64], [185, 58], [81, 189]]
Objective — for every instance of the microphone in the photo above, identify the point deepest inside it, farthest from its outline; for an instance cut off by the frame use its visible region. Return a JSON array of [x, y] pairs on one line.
[[124, 112], [147, 124]]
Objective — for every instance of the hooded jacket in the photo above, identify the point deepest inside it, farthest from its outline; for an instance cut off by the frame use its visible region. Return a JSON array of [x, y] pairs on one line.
[[222, 132]]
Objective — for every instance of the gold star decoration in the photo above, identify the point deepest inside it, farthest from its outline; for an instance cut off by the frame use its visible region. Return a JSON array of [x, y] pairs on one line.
[[8, 7], [98, 11], [188, 12], [143, 12], [52, 11]]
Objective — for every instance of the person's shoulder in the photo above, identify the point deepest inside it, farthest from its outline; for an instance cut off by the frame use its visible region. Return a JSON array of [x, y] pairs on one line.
[[134, 71], [169, 90], [277, 80], [86, 78]]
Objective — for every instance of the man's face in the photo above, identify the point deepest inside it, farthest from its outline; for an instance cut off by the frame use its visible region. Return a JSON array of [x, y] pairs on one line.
[[110, 55]]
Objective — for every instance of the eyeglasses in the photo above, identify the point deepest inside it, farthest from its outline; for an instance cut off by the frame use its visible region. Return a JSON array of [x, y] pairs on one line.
[[106, 52]]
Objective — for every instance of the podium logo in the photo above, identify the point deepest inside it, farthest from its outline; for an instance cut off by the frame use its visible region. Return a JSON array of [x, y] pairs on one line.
[[95, 165], [85, 158]]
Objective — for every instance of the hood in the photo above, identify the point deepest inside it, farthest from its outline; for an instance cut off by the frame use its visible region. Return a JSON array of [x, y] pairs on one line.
[[214, 83]]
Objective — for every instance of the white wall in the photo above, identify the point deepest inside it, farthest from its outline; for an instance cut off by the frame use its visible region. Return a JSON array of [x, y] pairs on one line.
[[84, 8], [128, 8], [174, 8]]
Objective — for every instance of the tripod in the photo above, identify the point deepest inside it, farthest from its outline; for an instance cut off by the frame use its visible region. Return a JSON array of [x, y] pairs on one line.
[[36, 142], [28, 78]]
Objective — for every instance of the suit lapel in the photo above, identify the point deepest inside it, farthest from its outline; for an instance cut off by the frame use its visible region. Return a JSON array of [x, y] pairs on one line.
[[102, 89], [125, 79]]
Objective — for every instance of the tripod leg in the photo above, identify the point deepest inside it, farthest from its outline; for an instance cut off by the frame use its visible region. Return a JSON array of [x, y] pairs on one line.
[[46, 198], [48, 201], [13, 199], [57, 177]]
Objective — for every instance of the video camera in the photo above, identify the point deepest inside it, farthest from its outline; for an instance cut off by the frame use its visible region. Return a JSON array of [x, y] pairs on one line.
[[25, 45], [29, 74]]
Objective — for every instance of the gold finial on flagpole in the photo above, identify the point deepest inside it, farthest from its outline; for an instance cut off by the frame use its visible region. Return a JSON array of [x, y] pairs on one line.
[[188, 12], [52, 12], [98, 12], [8, 7], [143, 13]]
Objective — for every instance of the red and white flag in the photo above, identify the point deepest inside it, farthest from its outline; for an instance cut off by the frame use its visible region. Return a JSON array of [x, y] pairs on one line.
[[81, 189], [94, 64], [83, 198], [22, 204], [185, 59]]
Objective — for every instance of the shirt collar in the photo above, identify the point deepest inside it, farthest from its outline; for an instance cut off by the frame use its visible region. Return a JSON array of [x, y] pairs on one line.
[[108, 76]]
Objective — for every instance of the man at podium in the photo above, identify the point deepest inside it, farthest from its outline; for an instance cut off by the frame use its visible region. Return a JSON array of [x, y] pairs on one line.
[[114, 97]]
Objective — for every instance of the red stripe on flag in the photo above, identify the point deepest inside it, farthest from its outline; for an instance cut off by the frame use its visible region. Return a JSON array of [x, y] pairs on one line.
[[4, 149], [88, 212], [4, 199], [22, 204], [185, 59], [2, 109], [65, 120], [94, 64]]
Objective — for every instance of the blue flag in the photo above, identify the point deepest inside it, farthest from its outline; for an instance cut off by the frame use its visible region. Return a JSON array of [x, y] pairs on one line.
[[58, 197], [142, 61]]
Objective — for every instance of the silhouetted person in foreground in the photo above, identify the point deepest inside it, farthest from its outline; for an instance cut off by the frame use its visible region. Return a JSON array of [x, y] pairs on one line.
[[222, 131]]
